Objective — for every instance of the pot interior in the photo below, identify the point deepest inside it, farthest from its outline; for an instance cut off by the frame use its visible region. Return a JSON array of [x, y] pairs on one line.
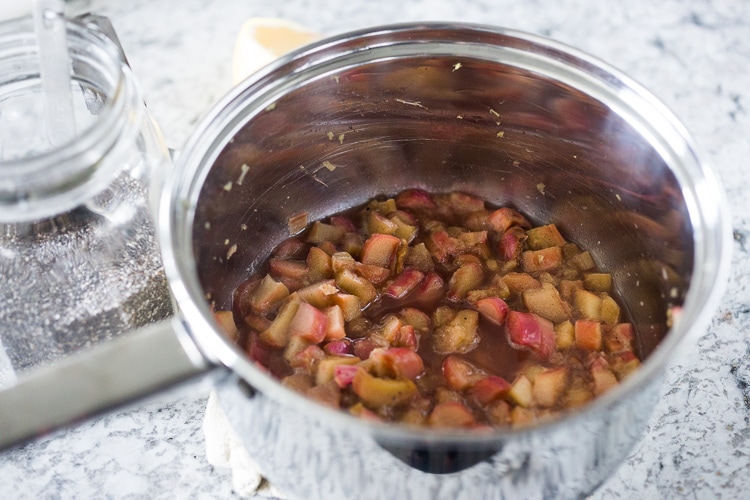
[[515, 132]]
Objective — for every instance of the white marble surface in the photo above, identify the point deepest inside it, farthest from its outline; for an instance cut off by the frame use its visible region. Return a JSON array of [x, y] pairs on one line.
[[693, 54]]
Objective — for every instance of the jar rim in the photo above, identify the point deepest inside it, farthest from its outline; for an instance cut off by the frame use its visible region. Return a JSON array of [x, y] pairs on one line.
[[33, 185]]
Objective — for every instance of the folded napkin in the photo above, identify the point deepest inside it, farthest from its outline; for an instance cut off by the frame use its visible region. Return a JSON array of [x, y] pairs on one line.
[[224, 449]]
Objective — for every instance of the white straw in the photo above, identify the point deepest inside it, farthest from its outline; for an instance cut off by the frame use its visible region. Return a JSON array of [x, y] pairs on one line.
[[54, 61]]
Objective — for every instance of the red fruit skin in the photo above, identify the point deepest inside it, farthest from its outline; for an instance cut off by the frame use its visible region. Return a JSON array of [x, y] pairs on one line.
[[404, 283], [415, 199], [338, 347], [380, 250], [531, 332], [309, 322], [503, 218], [511, 243], [344, 374], [405, 362], [493, 309], [430, 290], [489, 389], [460, 374]]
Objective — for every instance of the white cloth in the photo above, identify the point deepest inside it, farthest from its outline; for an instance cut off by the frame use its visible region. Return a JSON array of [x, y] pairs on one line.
[[224, 449]]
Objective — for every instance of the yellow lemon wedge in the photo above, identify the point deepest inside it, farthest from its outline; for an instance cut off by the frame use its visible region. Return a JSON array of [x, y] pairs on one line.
[[263, 39]]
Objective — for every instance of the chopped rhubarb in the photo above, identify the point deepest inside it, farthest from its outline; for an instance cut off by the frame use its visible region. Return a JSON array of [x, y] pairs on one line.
[[319, 265], [624, 363], [451, 414], [517, 283], [531, 332], [610, 312], [549, 386], [460, 335], [307, 358], [464, 279], [356, 285], [335, 324], [377, 392], [225, 320], [349, 304], [430, 290], [419, 309], [277, 334], [309, 322], [338, 347], [379, 224], [319, 294], [588, 335], [488, 389], [565, 335], [380, 250], [407, 337], [415, 199], [344, 223], [419, 257], [444, 246], [460, 374], [404, 283], [588, 305], [291, 273], [326, 368], [493, 309], [397, 362], [372, 273], [603, 377], [321, 232], [511, 243], [291, 248], [344, 374], [620, 338], [268, 295], [597, 282], [547, 259], [416, 318], [544, 237], [546, 302], [503, 218], [521, 392]]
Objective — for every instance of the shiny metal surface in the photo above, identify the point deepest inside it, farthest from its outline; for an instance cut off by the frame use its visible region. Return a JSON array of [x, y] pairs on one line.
[[506, 116]]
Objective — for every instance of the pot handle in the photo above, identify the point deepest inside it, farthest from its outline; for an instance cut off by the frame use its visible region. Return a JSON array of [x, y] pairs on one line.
[[84, 384]]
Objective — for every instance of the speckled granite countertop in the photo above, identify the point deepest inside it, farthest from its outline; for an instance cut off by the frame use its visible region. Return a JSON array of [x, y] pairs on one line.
[[693, 54]]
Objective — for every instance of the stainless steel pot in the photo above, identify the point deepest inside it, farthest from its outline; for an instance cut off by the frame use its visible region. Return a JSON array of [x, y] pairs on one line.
[[507, 116]]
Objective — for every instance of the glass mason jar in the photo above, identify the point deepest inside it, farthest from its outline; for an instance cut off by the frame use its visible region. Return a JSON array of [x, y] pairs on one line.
[[79, 261]]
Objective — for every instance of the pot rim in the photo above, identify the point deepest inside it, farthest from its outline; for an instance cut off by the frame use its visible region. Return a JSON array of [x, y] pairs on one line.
[[710, 220]]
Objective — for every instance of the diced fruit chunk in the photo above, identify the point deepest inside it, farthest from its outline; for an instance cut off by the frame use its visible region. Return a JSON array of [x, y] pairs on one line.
[[489, 389], [494, 309], [544, 237], [532, 332], [460, 374], [451, 414], [268, 295], [380, 250], [398, 362], [460, 335], [549, 386], [404, 283], [277, 334], [547, 259], [309, 322], [546, 302], [377, 392], [521, 392], [588, 335]]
